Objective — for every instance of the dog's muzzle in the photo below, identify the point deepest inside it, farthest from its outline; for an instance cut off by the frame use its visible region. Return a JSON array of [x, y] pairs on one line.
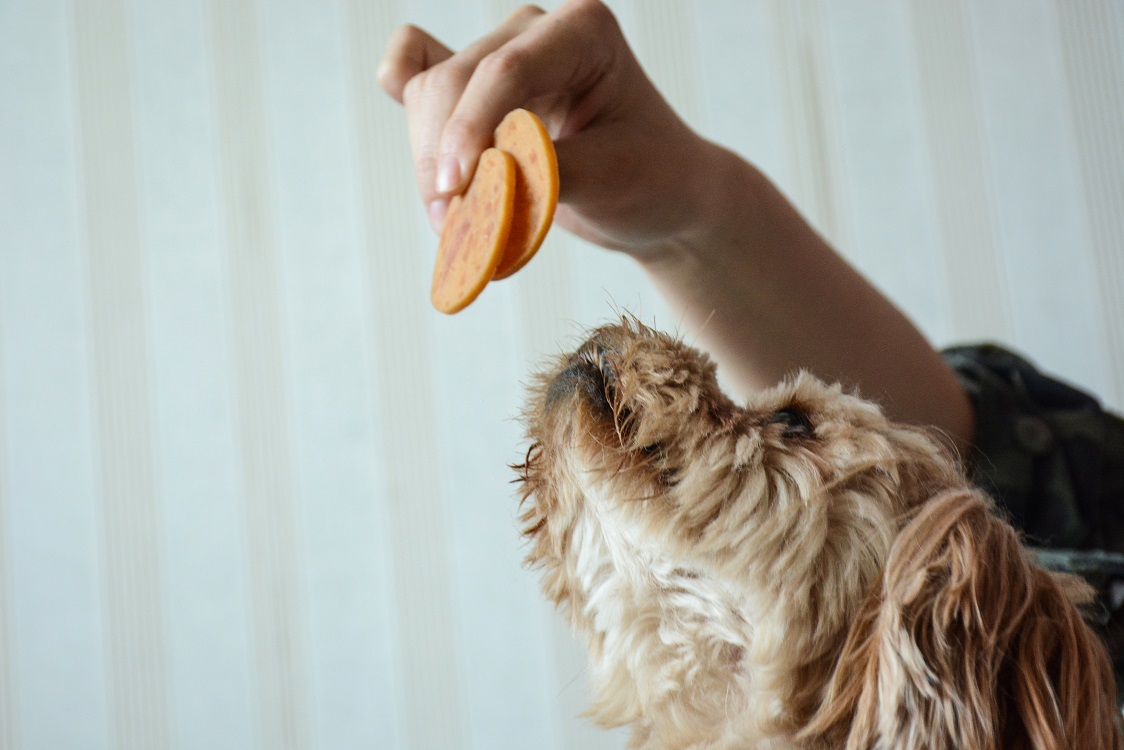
[[590, 372]]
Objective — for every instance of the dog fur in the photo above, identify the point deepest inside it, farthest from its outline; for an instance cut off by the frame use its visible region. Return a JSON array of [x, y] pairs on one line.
[[797, 572]]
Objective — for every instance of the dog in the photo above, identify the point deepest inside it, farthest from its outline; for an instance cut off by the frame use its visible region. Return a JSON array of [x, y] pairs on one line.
[[795, 572]]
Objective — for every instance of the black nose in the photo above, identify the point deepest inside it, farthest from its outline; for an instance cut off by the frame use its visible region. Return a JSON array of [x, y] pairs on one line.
[[589, 372]]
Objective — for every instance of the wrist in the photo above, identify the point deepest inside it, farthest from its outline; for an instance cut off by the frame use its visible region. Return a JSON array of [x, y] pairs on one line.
[[719, 194]]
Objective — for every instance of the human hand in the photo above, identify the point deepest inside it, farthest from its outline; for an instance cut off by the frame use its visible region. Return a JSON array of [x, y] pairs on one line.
[[633, 176]]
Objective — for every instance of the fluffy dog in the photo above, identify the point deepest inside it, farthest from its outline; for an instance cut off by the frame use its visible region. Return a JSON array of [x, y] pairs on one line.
[[798, 572]]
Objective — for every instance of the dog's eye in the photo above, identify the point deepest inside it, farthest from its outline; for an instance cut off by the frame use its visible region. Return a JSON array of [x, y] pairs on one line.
[[795, 421], [654, 452], [656, 455]]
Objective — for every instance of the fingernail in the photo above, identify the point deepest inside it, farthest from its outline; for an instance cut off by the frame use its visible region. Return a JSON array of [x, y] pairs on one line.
[[437, 210], [448, 174]]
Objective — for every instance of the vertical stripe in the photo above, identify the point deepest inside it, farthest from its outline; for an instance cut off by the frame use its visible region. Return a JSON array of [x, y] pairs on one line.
[[1092, 36], [346, 536], [816, 179], [1040, 217], [479, 367], [192, 374], [894, 229], [130, 514], [665, 43], [53, 511], [273, 552], [428, 661], [960, 170], [9, 667], [741, 97]]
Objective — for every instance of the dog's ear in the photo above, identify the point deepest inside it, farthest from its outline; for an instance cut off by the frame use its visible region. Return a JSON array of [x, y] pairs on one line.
[[966, 644]]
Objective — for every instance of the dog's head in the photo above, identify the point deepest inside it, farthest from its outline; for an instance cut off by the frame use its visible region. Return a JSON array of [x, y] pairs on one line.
[[796, 570]]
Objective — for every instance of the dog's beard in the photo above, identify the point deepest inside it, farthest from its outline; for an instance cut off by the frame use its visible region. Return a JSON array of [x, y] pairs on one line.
[[653, 626]]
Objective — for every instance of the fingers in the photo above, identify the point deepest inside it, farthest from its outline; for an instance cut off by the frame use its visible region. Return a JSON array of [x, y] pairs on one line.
[[431, 93], [564, 54], [556, 63], [410, 51]]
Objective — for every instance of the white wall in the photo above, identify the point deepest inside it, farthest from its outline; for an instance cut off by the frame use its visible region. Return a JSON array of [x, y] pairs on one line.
[[254, 490]]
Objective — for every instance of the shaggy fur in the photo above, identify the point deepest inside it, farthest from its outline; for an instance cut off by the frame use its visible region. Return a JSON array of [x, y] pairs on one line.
[[798, 572]]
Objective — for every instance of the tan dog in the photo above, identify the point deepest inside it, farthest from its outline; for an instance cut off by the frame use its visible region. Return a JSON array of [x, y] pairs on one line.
[[799, 572]]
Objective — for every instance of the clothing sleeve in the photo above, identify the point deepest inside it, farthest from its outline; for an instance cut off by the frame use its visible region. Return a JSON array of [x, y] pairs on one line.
[[1048, 453], [1053, 460]]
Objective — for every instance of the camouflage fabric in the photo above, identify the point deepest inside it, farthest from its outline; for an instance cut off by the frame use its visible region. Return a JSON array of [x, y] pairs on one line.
[[1053, 459]]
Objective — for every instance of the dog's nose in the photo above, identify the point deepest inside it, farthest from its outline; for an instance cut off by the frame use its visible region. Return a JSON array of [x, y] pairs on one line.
[[590, 371]]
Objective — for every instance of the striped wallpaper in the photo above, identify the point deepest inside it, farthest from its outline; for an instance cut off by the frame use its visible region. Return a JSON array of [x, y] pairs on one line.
[[254, 491]]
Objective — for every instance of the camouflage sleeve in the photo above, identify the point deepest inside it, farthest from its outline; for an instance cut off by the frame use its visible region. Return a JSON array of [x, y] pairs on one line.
[[1051, 457]]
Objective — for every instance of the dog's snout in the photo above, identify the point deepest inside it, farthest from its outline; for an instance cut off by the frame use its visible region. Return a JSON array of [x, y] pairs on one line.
[[579, 376], [590, 372]]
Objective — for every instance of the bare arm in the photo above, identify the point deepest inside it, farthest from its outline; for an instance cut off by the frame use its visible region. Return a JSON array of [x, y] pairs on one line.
[[762, 290], [767, 295]]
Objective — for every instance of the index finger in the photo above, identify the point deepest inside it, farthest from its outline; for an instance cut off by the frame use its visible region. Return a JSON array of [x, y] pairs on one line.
[[410, 51]]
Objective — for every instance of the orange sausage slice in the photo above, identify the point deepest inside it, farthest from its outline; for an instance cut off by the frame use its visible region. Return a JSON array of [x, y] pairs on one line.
[[476, 230], [523, 135]]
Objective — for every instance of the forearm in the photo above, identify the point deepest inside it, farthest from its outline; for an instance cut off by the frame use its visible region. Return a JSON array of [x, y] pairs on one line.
[[766, 295]]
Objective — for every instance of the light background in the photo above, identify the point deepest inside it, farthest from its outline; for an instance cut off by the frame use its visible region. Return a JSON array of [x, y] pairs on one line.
[[254, 491]]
